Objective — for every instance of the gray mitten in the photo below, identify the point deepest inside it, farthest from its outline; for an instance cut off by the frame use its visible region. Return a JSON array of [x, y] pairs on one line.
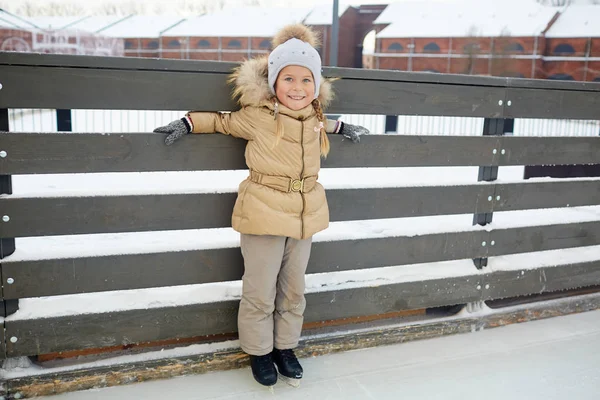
[[174, 130], [353, 132]]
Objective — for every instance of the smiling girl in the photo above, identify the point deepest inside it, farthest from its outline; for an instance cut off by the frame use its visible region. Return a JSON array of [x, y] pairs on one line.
[[280, 206]]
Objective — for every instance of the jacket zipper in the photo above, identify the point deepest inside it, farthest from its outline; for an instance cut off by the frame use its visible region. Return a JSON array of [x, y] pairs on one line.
[[302, 177]]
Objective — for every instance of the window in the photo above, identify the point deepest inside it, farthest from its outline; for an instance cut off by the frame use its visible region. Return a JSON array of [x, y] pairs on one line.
[[129, 44], [203, 43], [235, 44], [513, 47], [561, 77], [564, 49], [153, 44], [597, 79], [265, 44], [174, 43], [431, 47], [395, 47]]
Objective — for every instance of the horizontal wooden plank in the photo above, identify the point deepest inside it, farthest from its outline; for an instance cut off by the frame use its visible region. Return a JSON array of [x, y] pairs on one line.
[[532, 195], [407, 98], [156, 64], [31, 153], [549, 150], [554, 104], [544, 237], [83, 331], [505, 284], [133, 271], [43, 216], [110, 329], [350, 337], [162, 90]]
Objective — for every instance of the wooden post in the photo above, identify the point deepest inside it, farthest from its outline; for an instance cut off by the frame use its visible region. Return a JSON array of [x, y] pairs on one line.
[[491, 127], [7, 245]]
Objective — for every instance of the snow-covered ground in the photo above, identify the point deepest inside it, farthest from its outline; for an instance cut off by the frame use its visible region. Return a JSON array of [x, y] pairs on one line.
[[552, 359]]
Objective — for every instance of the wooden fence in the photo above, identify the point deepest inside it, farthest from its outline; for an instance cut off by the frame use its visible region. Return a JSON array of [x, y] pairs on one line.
[[80, 82]]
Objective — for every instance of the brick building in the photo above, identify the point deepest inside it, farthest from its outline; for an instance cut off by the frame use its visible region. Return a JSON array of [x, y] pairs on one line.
[[526, 41], [572, 47], [24, 35]]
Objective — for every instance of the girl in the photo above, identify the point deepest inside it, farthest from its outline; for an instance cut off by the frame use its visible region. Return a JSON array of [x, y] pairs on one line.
[[280, 206]]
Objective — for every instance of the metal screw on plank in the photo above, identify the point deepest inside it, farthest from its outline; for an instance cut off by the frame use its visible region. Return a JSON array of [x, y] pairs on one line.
[[494, 151], [13, 339], [497, 197], [499, 102], [493, 243], [6, 218], [487, 286], [3, 154], [503, 151], [483, 244], [10, 281], [0, 86], [489, 198], [509, 103], [478, 287]]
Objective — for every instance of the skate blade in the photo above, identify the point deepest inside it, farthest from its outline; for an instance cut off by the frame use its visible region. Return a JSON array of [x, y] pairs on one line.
[[290, 381]]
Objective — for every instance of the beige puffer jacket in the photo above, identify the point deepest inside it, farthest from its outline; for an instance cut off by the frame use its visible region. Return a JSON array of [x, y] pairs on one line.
[[273, 200]]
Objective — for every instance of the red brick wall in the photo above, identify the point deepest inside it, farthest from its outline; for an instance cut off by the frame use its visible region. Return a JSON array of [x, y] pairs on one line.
[[595, 47], [593, 71], [142, 47], [348, 38], [573, 68], [256, 42], [15, 40]]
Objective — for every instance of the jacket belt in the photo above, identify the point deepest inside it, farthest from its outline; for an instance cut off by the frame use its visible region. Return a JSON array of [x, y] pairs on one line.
[[283, 183]]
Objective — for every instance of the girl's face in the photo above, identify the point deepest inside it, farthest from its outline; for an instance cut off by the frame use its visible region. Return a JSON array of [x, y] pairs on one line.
[[295, 87]]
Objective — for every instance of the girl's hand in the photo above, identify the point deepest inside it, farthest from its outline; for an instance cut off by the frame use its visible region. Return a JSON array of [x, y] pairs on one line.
[[174, 130], [353, 132]]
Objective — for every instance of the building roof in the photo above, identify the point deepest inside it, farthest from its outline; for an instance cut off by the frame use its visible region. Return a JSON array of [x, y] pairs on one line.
[[96, 23], [9, 20], [55, 22], [464, 18], [323, 15], [577, 21], [139, 26], [243, 21]]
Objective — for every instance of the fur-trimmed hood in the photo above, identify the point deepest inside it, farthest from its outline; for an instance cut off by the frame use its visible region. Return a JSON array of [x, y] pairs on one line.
[[251, 77]]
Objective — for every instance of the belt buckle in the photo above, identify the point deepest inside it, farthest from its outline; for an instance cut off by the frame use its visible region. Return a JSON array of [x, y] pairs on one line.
[[297, 185]]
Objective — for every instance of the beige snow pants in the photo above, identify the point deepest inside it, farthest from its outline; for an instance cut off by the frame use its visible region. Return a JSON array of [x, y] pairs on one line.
[[272, 306]]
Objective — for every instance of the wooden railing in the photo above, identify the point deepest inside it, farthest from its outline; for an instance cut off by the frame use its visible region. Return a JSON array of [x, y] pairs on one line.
[[73, 82]]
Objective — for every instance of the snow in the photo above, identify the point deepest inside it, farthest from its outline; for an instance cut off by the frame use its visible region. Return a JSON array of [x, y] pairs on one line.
[[463, 19], [14, 21], [138, 26], [550, 359], [95, 23], [323, 15], [55, 22], [239, 22], [577, 21]]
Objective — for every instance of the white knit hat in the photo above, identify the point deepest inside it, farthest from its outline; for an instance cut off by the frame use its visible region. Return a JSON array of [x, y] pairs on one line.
[[295, 52]]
